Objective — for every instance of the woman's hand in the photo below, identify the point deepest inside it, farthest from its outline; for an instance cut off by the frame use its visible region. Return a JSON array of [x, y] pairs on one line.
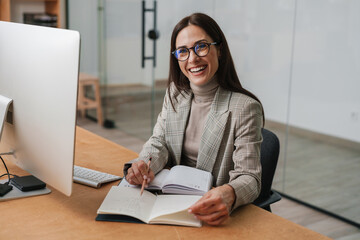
[[214, 207], [138, 172]]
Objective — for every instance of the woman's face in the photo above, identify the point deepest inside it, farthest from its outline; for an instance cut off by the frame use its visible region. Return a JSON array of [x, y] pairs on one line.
[[199, 70]]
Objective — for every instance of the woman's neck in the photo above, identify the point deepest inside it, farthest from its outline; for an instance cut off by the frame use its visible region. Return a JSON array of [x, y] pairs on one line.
[[206, 91]]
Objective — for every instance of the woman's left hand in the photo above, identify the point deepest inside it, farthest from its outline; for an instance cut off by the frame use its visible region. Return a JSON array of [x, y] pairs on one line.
[[214, 207]]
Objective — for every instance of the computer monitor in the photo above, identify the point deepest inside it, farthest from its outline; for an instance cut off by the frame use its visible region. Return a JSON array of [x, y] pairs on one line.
[[39, 71]]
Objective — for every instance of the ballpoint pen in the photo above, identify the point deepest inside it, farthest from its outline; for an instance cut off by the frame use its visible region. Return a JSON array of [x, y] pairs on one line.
[[144, 181]]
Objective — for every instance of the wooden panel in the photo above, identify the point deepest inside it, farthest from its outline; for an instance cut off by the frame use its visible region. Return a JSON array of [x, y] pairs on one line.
[[53, 7], [5, 10]]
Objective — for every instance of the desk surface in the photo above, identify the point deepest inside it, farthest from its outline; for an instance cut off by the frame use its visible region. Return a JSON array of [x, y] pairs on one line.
[[56, 216]]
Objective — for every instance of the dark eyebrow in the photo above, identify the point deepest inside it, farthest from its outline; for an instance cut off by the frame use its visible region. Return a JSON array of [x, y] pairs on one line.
[[199, 41]]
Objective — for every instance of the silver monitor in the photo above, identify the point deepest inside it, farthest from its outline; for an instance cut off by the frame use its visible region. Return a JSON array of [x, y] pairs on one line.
[[39, 71]]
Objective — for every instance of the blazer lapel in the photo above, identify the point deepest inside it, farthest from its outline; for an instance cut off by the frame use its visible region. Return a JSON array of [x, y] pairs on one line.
[[213, 131], [175, 125]]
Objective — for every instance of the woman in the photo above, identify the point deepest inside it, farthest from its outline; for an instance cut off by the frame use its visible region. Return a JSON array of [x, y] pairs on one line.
[[208, 121]]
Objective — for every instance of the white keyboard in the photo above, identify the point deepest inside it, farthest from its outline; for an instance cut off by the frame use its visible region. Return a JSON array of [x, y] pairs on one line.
[[91, 177]]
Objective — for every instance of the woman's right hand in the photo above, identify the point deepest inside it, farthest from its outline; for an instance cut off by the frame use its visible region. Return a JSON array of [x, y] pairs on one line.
[[138, 172]]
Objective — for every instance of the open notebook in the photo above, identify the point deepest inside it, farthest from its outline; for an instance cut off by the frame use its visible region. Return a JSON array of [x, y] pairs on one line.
[[124, 204]]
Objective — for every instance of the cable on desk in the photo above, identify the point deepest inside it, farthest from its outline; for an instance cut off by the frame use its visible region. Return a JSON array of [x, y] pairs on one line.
[[13, 175], [7, 170]]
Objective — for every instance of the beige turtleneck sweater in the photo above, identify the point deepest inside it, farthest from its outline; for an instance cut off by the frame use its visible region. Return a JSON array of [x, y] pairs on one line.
[[200, 107]]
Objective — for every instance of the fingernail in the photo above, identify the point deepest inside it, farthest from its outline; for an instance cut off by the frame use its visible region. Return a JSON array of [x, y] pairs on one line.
[[148, 180], [189, 210], [145, 177]]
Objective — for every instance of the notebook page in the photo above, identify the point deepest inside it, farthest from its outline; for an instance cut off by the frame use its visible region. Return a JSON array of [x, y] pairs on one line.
[[174, 208], [190, 178], [127, 201], [159, 180]]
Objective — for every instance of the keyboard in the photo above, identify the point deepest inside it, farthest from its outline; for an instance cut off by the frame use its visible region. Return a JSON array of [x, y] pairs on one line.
[[91, 177]]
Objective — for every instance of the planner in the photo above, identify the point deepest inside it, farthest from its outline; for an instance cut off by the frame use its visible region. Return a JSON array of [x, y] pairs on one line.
[[124, 204]]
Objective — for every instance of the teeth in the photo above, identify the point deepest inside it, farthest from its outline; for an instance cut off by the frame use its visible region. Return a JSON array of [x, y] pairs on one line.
[[197, 69]]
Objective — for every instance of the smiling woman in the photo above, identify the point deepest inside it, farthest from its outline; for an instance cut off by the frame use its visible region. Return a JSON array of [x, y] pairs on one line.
[[208, 121]]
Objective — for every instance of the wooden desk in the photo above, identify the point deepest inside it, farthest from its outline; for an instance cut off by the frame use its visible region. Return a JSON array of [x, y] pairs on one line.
[[56, 216]]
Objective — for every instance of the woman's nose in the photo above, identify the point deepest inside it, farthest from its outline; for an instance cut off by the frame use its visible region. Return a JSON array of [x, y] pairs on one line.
[[192, 56]]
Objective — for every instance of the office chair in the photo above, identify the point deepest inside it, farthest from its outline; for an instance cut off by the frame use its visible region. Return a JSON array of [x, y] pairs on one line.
[[269, 155]]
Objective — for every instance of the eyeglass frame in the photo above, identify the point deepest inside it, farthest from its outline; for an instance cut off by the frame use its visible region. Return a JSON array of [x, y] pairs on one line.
[[193, 48]]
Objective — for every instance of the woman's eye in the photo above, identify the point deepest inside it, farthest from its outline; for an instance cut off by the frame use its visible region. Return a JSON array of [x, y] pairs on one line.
[[201, 46], [182, 50]]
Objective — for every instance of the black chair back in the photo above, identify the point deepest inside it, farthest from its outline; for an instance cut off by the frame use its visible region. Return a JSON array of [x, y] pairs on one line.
[[269, 155]]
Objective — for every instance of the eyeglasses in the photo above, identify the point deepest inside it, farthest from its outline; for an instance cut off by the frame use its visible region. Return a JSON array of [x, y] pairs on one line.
[[201, 50]]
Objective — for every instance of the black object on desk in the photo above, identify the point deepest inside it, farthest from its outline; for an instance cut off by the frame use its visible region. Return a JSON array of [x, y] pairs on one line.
[[28, 183], [4, 189]]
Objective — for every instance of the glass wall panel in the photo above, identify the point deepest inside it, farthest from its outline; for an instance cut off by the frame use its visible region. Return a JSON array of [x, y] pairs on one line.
[[301, 59], [129, 86], [259, 34], [82, 16], [323, 150]]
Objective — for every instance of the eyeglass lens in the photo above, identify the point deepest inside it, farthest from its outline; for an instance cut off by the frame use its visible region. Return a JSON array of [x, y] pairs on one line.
[[201, 50]]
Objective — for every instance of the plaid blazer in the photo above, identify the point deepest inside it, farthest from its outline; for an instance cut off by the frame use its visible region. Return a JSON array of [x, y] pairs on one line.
[[229, 146]]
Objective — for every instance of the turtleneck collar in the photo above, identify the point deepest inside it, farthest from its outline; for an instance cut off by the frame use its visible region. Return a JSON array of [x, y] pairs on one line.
[[205, 92]]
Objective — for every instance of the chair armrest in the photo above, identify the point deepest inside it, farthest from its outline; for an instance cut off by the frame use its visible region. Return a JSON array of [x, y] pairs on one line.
[[274, 197]]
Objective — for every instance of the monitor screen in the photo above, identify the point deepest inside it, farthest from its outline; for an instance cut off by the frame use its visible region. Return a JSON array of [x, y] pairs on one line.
[[39, 71]]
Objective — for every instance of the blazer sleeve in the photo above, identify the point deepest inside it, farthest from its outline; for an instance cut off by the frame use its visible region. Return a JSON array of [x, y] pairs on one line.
[[245, 178], [156, 146]]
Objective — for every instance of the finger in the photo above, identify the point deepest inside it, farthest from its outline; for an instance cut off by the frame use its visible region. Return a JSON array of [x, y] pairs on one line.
[[200, 203], [127, 177], [130, 177], [212, 209], [150, 177], [219, 221], [206, 205], [137, 173], [214, 220], [143, 168], [213, 216]]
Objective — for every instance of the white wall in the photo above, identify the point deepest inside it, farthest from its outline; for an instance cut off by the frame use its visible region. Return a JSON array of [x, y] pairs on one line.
[[315, 87]]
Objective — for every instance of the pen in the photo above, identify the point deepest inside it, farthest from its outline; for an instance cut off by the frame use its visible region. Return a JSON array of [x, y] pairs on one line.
[[144, 181]]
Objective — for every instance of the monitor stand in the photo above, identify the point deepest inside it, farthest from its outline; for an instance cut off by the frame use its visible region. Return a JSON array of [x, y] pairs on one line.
[[16, 193], [4, 107]]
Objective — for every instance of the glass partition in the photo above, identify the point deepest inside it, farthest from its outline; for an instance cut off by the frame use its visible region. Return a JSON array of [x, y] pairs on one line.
[[129, 86], [302, 59], [323, 148]]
